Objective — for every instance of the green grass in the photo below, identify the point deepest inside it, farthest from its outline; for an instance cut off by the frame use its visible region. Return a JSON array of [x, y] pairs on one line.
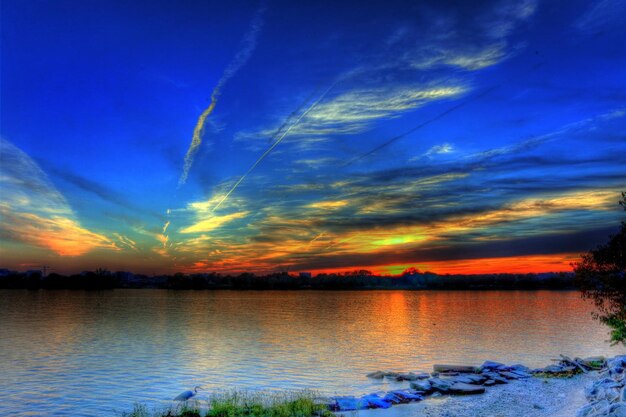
[[237, 403], [597, 364], [563, 375]]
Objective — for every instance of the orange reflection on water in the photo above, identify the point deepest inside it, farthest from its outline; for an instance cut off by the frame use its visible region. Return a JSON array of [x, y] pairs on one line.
[[148, 345]]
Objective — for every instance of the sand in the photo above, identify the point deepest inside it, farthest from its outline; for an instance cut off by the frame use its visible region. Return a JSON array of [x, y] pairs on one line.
[[534, 397]]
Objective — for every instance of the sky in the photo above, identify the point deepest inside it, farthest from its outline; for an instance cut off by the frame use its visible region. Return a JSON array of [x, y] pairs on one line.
[[199, 136]]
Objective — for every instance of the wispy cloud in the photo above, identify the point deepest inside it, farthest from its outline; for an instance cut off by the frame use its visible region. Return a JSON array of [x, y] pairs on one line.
[[248, 44], [213, 222], [444, 148], [282, 133], [351, 112], [34, 212], [602, 13], [328, 205]]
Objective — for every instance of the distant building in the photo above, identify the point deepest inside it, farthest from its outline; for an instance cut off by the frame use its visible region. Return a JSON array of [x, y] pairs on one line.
[[305, 275]]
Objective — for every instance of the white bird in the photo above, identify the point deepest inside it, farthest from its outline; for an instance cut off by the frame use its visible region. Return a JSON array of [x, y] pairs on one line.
[[185, 395]]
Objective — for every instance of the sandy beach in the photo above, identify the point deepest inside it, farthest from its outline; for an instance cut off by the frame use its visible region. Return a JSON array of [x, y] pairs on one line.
[[533, 397]]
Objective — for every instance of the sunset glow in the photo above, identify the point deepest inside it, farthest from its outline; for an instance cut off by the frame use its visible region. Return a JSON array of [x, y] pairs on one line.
[[309, 137]]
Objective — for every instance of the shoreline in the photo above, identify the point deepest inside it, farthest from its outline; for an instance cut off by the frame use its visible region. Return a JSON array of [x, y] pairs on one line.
[[492, 387], [573, 387], [536, 397], [358, 280]]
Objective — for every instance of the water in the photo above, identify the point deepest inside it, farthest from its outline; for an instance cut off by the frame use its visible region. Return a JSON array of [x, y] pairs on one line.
[[78, 353]]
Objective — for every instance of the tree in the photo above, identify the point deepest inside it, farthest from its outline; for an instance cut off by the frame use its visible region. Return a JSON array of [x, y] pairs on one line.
[[411, 271], [601, 276]]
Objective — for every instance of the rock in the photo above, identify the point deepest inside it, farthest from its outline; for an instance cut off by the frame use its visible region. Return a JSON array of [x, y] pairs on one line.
[[617, 410], [489, 383], [477, 378], [374, 401], [407, 396], [423, 386], [500, 380], [518, 367], [392, 398], [411, 376], [392, 375], [603, 389], [496, 377], [607, 395], [489, 365], [521, 374], [461, 388], [594, 410], [454, 368], [617, 362], [349, 404], [376, 375], [471, 378], [509, 375], [440, 385], [464, 379]]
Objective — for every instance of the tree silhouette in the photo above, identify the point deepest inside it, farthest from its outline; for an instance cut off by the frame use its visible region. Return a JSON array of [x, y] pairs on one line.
[[601, 276]]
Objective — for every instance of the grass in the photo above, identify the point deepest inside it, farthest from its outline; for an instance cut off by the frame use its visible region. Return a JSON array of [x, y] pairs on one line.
[[563, 375], [238, 403]]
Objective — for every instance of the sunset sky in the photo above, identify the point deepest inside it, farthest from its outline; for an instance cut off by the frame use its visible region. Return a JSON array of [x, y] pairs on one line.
[[199, 136]]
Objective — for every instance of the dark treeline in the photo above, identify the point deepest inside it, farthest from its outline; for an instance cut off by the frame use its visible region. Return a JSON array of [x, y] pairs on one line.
[[357, 280]]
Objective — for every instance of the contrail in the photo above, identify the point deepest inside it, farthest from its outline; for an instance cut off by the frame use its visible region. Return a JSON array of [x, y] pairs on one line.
[[276, 142], [293, 114], [421, 125], [249, 43], [433, 119]]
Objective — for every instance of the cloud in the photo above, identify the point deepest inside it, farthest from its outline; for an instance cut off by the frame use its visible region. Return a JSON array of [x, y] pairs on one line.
[[387, 86], [105, 193], [281, 134], [468, 58], [328, 205], [35, 213], [213, 222], [353, 111], [552, 243], [248, 45], [442, 149], [602, 14]]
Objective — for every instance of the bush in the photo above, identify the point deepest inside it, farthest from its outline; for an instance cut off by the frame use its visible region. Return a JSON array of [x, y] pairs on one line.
[[601, 276]]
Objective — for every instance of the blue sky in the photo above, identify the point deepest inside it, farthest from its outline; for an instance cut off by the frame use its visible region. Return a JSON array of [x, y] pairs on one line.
[[342, 134]]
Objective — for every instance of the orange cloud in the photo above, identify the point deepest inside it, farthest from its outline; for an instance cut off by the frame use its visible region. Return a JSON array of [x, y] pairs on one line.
[[34, 212], [560, 262], [61, 235]]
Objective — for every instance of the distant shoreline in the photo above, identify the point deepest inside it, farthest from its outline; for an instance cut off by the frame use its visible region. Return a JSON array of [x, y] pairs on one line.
[[359, 281]]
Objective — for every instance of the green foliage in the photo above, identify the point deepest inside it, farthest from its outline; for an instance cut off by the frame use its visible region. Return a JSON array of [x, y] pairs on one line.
[[238, 403], [596, 364], [561, 375], [601, 276], [139, 410], [247, 404]]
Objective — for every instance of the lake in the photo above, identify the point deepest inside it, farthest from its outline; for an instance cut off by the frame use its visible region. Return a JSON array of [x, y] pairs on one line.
[[76, 353]]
